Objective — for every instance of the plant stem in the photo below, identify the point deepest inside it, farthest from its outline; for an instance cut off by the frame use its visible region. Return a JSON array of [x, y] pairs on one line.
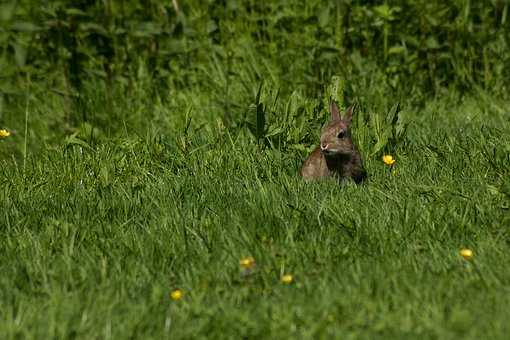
[[26, 125]]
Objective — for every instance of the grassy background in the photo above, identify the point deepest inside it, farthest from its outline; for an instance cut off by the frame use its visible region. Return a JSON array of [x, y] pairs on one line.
[[152, 149]]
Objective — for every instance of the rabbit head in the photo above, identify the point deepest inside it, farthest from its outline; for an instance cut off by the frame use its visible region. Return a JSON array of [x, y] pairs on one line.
[[336, 137]]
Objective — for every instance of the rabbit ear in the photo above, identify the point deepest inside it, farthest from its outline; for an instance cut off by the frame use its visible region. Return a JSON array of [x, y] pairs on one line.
[[333, 109], [348, 115]]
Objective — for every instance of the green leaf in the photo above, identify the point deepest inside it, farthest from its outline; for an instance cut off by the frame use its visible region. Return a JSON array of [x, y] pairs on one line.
[[74, 140], [382, 142], [397, 49], [7, 11], [392, 116], [383, 11], [20, 54], [336, 88], [324, 16], [24, 26], [76, 12], [261, 120], [93, 27], [273, 131], [432, 43]]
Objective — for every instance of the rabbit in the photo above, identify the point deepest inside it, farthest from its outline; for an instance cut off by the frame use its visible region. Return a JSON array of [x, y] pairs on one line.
[[336, 156]]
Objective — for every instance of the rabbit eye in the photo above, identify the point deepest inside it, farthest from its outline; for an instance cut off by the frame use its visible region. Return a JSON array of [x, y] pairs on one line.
[[341, 134]]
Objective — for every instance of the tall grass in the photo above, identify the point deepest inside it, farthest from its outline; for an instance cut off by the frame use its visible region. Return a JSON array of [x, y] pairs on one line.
[[151, 150], [95, 239], [86, 55]]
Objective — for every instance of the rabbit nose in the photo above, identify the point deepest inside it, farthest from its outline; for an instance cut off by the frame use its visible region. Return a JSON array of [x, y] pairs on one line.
[[324, 146]]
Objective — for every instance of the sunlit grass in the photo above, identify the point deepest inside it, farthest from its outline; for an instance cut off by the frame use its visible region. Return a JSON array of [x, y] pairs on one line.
[[144, 236], [148, 171]]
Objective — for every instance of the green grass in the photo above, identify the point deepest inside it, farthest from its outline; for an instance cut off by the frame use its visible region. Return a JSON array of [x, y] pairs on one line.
[[97, 233], [152, 150]]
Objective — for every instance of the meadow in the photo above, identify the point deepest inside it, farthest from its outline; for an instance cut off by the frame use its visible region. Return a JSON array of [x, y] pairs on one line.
[[149, 170]]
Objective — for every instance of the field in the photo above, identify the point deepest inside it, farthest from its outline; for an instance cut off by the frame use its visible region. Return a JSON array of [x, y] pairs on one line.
[[125, 180]]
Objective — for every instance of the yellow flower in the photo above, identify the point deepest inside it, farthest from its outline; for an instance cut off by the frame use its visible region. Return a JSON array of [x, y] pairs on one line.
[[466, 253], [247, 262], [287, 278], [176, 294], [4, 133], [388, 159]]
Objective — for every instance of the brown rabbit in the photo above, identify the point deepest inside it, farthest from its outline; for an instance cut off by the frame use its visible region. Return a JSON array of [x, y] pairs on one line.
[[336, 156]]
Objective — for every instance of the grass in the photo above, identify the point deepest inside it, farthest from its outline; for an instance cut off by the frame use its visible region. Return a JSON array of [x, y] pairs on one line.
[[152, 151], [97, 233]]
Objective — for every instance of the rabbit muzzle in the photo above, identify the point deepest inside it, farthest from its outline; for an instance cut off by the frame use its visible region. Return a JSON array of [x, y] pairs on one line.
[[333, 150], [327, 149]]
